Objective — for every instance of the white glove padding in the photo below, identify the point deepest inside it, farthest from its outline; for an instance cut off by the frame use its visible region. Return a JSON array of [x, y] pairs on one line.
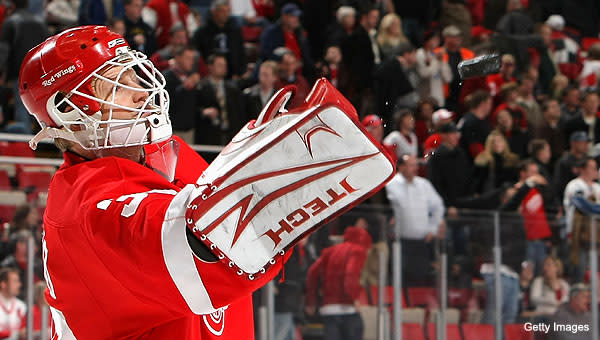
[[282, 176]]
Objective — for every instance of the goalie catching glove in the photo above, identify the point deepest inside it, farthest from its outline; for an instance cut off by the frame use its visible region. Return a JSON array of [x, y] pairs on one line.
[[282, 176]]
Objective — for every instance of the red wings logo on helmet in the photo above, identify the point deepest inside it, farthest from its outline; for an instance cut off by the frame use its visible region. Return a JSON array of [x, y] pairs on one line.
[[58, 74]]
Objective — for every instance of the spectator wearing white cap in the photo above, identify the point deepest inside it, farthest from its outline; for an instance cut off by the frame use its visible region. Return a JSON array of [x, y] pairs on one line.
[[564, 49], [439, 118]]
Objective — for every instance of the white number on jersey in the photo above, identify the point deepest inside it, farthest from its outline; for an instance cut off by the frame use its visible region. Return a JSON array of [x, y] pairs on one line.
[[130, 208]]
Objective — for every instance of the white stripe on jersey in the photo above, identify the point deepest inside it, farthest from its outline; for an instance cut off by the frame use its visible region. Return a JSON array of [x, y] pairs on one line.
[[179, 258], [63, 332]]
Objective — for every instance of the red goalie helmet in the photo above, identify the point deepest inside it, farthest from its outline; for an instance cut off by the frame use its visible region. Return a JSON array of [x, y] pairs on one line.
[[58, 86]]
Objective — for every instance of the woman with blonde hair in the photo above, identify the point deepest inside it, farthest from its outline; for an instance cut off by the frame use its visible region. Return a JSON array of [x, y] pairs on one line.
[[496, 164], [549, 290], [390, 34]]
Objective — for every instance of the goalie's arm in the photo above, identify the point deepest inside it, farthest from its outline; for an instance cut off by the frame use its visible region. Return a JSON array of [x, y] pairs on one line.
[[148, 241]]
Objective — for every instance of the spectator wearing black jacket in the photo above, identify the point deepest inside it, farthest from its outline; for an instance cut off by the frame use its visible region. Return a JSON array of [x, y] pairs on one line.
[[515, 21], [551, 129], [289, 293], [181, 81], [395, 82], [139, 35], [588, 120], [341, 29], [221, 105], [361, 55], [517, 139], [450, 171], [475, 126], [449, 168], [223, 36]]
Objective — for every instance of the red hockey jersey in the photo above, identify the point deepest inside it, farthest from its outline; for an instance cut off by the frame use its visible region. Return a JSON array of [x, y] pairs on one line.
[[118, 264]]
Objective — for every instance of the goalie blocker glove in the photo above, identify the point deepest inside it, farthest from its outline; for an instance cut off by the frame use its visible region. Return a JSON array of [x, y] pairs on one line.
[[282, 176]]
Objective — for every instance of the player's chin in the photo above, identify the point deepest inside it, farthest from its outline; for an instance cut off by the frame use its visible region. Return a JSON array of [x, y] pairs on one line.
[[133, 153]]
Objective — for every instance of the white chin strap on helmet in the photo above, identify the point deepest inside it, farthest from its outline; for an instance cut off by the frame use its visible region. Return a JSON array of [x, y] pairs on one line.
[[150, 121]]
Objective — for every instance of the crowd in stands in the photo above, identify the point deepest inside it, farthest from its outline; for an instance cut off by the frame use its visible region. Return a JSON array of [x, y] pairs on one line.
[[522, 141]]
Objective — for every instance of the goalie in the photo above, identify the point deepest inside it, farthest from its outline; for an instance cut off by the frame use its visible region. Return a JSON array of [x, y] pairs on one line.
[[144, 240]]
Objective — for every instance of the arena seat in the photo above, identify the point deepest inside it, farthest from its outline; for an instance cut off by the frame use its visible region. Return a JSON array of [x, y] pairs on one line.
[[369, 317], [9, 201], [19, 149], [474, 316], [412, 331], [452, 332], [459, 297], [388, 298], [413, 315], [4, 181], [517, 332], [477, 331], [422, 297], [33, 178], [452, 315]]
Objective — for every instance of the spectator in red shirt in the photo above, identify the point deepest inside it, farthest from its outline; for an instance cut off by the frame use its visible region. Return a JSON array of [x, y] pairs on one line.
[[338, 270], [374, 125], [505, 75], [532, 199], [161, 15], [439, 118]]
